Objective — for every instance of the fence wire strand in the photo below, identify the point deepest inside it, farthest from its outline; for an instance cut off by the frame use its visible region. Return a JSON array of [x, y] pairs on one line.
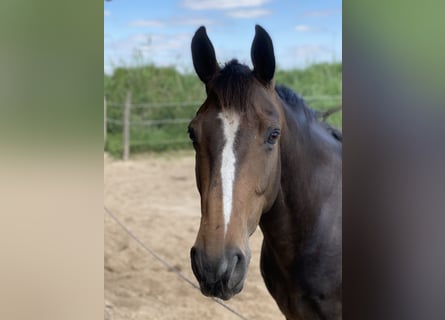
[[159, 105], [151, 122], [161, 124], [198, 103], [166, 264]]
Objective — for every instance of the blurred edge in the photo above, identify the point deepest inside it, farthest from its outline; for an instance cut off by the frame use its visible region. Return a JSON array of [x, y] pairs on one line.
[[51, 159], [393, 169], [51, 82]]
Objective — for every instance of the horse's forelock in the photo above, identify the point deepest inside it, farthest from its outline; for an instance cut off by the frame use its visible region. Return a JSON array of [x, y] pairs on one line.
[[232, 86]]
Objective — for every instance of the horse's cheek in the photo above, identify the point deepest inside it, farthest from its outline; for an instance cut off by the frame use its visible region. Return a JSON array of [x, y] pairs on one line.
[[273, 177]]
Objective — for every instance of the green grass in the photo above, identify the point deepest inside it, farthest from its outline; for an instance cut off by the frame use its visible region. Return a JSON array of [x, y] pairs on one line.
[[155, 85]]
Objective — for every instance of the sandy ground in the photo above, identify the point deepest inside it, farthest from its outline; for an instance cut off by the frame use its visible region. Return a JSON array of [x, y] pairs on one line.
[[155, 196]]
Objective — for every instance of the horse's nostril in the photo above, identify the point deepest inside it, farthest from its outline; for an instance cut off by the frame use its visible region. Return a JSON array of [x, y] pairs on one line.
[[239, 261], [235, 260], [194, 261], [237, 257], [192, 253], [237, 269]]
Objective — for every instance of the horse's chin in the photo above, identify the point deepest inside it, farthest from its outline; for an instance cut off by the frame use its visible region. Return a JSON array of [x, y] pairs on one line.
[[221, 292], [235, 290]]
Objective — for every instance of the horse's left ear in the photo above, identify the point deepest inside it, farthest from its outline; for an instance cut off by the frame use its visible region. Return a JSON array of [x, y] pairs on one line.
[[203, 54], [262, 55]]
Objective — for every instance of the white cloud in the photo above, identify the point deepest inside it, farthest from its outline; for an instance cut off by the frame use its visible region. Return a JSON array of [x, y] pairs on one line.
[[306, 28], [310, 51], [302, 28], [322, 13], [146, 23], [222, 4], [165, 43], [107, 13], [171, 22], [249, 14], [157, 45], [194, 22]]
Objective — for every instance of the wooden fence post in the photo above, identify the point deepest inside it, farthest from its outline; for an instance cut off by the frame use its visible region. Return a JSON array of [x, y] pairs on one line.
[[105, 121], [126, 126]]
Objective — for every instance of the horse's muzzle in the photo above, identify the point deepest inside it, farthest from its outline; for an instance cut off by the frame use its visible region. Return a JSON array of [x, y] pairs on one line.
[[221, 278]]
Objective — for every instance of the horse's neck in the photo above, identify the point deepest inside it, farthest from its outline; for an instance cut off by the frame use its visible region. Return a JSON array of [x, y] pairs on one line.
[[310, 169]]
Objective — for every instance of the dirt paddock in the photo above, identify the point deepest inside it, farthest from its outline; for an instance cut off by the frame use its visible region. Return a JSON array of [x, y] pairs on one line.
[[156, 197]]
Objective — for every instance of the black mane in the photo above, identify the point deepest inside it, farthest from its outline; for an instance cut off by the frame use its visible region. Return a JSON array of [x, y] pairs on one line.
[[232, 88], [295, 101], [302, 110]]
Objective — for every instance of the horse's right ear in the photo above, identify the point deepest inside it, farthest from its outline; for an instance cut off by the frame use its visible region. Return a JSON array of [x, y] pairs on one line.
[[203, 54], [262, 54]]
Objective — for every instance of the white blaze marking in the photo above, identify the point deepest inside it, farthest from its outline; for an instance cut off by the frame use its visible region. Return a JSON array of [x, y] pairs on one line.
[[230, 126]]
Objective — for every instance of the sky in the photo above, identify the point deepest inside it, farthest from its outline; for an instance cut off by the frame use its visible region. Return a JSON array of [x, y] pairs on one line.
[[139, 32]]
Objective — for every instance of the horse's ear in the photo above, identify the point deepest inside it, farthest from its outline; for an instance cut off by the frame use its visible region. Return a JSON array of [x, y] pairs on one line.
[[203, 54], [262, 55]]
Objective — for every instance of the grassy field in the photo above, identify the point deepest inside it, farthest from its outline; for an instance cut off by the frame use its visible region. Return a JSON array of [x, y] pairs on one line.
[[176, 97]]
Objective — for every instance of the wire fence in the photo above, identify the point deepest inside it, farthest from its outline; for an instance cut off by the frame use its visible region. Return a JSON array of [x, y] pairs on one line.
[[165, 263], [197, 103], [160, 126], [158, 105], [150, 122]]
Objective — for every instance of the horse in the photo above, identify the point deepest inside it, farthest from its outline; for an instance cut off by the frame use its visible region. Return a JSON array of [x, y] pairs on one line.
[[263, 158]]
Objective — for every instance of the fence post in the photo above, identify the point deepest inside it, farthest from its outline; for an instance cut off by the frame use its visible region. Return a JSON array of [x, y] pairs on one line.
[[126, 127], [105, 121]]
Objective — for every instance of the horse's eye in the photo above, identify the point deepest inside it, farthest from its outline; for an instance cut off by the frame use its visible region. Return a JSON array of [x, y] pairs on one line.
[[273, 136]]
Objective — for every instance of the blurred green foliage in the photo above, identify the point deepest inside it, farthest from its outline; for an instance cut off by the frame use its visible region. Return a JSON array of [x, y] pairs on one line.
[[409, 41], [51, 69], [160, 93]]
